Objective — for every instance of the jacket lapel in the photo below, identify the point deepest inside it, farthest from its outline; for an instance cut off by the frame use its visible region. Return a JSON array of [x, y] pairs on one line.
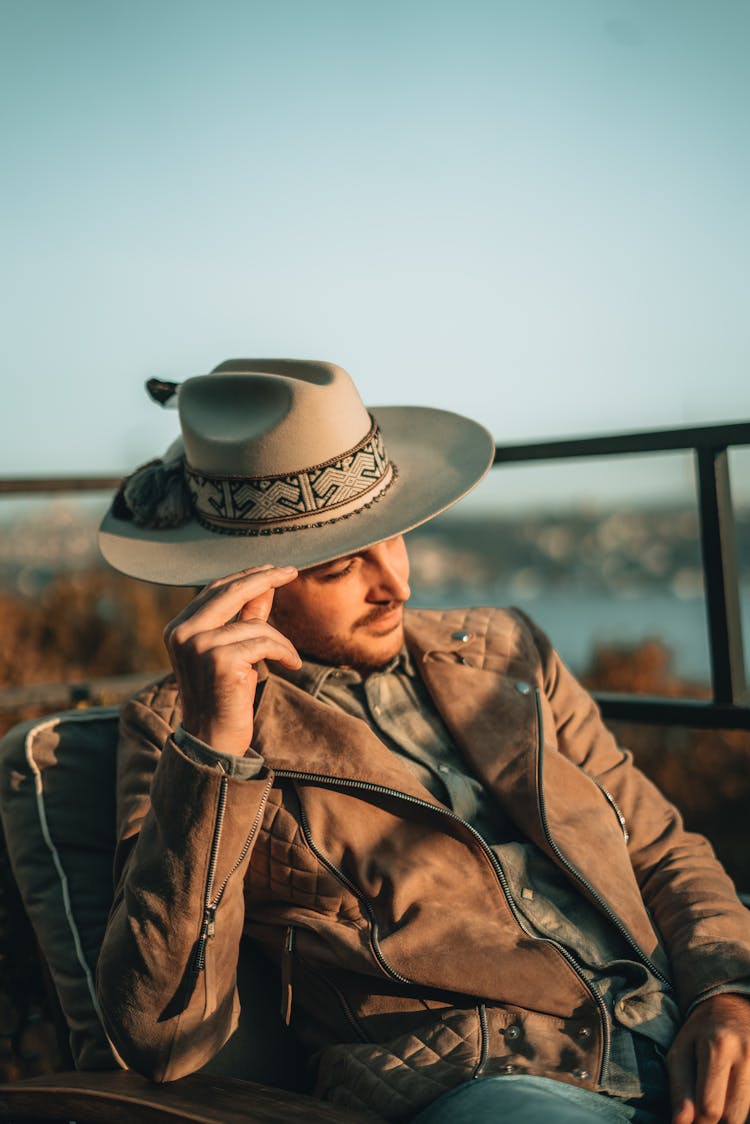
[[296, 732], [490, 715]]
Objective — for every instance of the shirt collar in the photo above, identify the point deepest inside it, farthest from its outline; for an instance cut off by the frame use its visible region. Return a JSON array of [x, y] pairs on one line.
[[312, 676]]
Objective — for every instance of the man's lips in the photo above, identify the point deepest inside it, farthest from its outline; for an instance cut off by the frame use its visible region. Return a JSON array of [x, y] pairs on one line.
[[385, 616]]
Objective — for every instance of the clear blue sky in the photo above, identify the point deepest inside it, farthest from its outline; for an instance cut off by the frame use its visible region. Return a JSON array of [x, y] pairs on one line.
[[536, 213]]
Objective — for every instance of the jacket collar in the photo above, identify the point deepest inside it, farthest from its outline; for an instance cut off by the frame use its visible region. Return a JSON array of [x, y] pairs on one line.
[[474, 707], [296, 732]]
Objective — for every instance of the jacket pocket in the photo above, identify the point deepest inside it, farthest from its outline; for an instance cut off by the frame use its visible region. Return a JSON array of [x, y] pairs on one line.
[[295, 966]]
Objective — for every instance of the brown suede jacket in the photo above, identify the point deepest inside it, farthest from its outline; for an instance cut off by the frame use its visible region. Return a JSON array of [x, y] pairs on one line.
[[392, 916]]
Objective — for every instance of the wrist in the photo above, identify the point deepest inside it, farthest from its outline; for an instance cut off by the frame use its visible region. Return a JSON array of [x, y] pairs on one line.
[[219, 738]]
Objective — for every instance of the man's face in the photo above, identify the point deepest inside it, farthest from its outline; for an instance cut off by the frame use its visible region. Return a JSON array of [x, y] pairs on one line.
[[348, 613]]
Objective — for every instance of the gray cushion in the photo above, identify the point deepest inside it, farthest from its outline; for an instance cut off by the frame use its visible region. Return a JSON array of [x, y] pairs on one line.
[[57, 802]]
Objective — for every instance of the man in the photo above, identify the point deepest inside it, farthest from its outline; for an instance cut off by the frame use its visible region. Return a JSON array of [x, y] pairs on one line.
[[419, 815]]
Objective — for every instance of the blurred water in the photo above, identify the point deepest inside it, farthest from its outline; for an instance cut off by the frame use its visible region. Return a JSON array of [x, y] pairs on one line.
[[576, 623]]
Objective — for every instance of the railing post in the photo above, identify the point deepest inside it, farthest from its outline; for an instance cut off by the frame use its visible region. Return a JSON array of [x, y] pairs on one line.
[[720, 569]]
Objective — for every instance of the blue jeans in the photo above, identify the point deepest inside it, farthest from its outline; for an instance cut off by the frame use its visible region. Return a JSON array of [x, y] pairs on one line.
[[525, 1099]]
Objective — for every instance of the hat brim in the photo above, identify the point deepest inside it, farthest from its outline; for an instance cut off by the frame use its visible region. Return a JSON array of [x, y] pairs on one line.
[[439, 457]]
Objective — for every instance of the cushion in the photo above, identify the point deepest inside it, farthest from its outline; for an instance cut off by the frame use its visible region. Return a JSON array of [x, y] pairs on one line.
[[57, 803]]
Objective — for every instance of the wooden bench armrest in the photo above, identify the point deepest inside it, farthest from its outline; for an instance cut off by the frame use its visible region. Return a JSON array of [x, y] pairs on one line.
[[119, 1097]]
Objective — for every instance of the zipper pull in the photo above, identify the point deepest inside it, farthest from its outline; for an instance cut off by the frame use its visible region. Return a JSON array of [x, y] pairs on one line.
[[286, 976], [208, 930]]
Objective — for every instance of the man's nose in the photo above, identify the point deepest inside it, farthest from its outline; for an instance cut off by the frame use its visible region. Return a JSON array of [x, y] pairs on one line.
[[389, 574]]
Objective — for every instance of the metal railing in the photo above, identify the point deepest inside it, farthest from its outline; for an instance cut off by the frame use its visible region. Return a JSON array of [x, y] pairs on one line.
[[729, 704]]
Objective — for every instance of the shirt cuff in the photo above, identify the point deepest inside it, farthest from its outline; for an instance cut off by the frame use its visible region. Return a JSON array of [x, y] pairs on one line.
[[243, 768]]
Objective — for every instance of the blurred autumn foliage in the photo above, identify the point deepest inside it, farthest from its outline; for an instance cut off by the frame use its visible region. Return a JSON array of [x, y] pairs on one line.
[[97, 624], [82, 626]]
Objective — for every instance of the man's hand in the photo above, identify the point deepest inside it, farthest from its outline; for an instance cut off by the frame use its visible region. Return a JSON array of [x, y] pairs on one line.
[[214, 645], [709, 1063]]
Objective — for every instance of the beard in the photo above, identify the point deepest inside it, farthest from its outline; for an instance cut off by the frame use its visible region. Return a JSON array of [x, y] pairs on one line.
[[362, 646]]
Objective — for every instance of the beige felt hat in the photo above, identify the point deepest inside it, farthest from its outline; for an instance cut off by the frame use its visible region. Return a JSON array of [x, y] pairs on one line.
[[279, 461]]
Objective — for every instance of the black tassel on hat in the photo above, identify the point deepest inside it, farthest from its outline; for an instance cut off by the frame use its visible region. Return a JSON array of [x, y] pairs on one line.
[[156, 495]]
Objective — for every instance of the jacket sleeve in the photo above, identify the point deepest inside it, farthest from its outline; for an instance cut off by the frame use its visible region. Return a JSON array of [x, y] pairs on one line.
[[167, 969], [705, 928]]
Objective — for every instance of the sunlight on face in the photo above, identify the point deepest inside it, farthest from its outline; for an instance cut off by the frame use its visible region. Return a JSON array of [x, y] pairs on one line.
[[348, 613]]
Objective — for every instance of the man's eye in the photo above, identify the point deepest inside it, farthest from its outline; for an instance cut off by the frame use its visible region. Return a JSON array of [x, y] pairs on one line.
[[333, 574]]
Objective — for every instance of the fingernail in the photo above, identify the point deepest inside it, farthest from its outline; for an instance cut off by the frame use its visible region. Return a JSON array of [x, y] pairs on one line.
[[290, 569]]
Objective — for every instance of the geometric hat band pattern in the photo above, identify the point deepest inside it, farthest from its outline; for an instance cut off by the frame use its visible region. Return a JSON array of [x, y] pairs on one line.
[[314, 496]]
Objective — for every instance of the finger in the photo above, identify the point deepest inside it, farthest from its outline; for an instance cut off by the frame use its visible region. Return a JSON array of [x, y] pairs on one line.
[[243, 632], [738, 1095], [711, 1081], [259, 608], [265, 647], [681, 1082], [209, 590], [684, 1113], [220, 602]]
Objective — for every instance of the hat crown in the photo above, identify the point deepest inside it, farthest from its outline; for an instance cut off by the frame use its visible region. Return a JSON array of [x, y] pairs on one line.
[[262, 418]]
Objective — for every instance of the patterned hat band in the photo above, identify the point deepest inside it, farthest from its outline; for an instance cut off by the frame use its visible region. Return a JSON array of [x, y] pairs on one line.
[[310, 497]]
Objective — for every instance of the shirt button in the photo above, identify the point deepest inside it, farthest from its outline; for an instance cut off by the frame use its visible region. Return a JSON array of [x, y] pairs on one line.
[[464, 637], [512, 1033], [522, 687], [580, 1074], [584, 1032], [443, 768], [507, 1069]]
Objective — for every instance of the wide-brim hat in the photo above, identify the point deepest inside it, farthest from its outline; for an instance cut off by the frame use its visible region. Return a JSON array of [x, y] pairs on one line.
[[280, 462]]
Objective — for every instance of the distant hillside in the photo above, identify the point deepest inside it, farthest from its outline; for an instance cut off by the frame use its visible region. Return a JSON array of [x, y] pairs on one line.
[[620, 552]]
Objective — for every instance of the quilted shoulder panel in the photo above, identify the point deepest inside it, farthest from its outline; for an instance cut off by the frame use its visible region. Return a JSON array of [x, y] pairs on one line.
[[162, 696]]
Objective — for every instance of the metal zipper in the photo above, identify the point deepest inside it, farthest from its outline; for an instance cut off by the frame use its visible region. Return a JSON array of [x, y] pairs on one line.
[[369, 786], [484, 1043], [208, 924], [341, 877], [613, 804], [603, 905], [211, 903]]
